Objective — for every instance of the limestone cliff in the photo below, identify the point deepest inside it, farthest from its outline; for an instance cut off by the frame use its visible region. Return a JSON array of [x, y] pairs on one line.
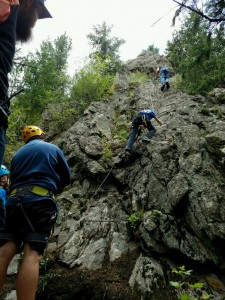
[[163, 208]]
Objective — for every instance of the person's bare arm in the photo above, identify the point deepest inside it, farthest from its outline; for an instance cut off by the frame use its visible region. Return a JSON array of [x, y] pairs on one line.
[[158, 121], [157, 73]]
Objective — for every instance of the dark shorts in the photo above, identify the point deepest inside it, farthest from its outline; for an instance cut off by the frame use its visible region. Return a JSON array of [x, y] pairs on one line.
[[34, 226]]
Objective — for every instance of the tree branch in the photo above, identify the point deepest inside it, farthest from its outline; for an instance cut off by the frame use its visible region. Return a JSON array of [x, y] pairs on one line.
[[200, 13]]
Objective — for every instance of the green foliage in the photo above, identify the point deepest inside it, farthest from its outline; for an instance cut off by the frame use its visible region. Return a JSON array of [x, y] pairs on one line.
[[217, 111], [103, 44], [181, 271], [153, 49], [138, 77], [44, 281], [107, 151], [43, 79], [45, 276], [177, 81], [205, 111], [92, 83], [197, 55], [210, 10], [135, 219], [59, 117], [120, 129], [154, 214]]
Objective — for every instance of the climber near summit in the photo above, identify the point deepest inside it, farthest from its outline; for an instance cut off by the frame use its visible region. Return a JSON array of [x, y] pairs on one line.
[[164, 74], [17, 19], [143, 118]]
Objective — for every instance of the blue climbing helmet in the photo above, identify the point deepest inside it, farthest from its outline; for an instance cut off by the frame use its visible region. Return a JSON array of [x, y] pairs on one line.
[[4, 171]]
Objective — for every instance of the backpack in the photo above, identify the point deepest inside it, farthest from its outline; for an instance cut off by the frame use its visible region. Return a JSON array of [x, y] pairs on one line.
[[148, 112], [165, 71], [144, 116], [5, 6]]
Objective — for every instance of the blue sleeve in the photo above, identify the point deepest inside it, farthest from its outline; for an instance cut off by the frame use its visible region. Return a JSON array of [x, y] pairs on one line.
[[150, 115], [3, 195], [63, 169], [2, 207]]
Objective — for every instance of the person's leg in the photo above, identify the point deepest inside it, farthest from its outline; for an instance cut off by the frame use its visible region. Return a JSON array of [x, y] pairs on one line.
[[151, 131], [167, 83], [7, 252], [2, 143], [131, 139], [163, 82], [27, 280]]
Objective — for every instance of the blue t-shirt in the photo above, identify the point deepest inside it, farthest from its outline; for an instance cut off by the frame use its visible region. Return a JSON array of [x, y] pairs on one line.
[[149, 114], [3, 198], [42, 164], [164, 72], [3, 195]]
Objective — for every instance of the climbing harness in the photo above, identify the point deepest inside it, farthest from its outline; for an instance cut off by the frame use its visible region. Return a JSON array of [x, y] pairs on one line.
[[21, 191], [26, 216], [38, 190]]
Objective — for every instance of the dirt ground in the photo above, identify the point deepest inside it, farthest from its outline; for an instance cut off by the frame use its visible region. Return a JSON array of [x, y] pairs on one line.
[[57, 282]]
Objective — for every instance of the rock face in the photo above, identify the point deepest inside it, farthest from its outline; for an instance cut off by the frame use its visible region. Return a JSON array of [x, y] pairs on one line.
[[167, 202]]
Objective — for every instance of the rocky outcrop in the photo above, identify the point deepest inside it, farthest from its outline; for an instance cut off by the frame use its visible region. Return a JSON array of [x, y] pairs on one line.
[[167, 202]]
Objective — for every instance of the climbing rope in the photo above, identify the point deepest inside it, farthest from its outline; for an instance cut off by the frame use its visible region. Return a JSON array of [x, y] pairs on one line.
[[107, 175]]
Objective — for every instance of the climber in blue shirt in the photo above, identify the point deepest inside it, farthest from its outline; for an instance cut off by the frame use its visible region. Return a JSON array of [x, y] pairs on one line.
[[143, 118], [38, 171], [164, 74]]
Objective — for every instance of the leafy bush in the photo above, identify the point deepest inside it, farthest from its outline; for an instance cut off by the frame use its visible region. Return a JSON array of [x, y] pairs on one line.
[[183, 273], [121, 127], [107, 151], [193, 53], [138, 77], [135, 219], [93, 82]]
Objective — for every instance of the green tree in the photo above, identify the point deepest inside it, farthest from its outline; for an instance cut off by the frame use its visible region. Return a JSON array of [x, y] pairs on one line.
[[197, 55], [92, 83], [211, 10], [106, 46], [153, 49], [44, 79]]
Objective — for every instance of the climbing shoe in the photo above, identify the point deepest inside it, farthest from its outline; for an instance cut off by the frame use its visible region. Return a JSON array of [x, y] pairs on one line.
[[162, 88], [127, 152], [146, 139], [167, 85]]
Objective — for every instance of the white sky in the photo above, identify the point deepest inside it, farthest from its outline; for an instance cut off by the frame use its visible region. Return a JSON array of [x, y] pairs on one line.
[[131, 20]]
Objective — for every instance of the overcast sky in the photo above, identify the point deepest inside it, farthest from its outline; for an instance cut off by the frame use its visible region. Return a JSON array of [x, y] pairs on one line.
[[132, 21]]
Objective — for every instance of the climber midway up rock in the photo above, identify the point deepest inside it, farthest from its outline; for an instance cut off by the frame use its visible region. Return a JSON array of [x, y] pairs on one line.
[[142, 119]]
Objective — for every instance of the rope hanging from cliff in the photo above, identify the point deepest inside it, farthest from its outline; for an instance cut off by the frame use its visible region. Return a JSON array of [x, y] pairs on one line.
[[163, 16], [106, 176]]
